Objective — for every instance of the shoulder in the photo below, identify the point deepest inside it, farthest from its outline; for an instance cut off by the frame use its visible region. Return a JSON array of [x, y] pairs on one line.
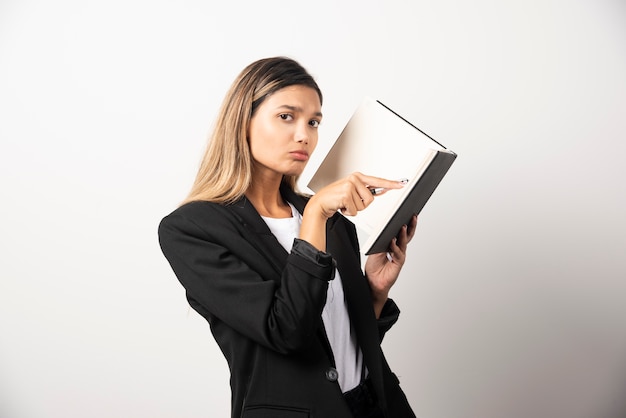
[[200, 216], [193, 211]]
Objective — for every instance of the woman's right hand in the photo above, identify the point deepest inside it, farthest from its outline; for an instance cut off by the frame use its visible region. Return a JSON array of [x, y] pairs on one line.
[[348, 195]]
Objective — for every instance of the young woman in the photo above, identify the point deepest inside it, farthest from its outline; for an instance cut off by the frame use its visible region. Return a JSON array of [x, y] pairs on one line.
[[277, 274]]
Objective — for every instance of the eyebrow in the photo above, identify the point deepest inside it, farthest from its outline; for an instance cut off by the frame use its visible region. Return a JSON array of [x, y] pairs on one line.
[[297, 109]]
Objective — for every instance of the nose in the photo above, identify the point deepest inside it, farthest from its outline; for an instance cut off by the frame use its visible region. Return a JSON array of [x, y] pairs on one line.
[[302, 135]]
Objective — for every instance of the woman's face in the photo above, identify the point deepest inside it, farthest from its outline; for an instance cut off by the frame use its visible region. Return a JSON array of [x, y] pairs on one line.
[[283, 131]]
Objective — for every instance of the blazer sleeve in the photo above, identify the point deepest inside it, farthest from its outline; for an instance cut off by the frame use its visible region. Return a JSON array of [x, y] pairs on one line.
[[215, 262]]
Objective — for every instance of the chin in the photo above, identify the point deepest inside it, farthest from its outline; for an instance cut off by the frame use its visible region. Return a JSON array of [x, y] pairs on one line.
[[294, 172]]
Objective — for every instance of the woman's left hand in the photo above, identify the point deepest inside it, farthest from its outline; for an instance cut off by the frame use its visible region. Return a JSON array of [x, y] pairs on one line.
[[382, 270]]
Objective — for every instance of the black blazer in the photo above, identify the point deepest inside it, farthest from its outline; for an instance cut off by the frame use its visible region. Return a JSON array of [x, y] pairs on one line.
[[264, 308]]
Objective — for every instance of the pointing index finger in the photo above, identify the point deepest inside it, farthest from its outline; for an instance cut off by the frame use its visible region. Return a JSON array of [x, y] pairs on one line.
[[381, 190]]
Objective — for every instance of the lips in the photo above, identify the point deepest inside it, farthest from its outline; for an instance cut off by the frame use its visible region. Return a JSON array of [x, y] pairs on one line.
[[300, 155]]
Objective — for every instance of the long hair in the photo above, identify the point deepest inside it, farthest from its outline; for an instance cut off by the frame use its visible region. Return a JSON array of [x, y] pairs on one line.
[[225, 172]]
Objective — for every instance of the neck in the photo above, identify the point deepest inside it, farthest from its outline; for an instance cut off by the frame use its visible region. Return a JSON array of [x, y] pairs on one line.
[[266, 198]]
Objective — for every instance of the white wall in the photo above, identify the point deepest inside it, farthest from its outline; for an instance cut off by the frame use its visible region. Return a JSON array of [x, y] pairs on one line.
[[513, 298]]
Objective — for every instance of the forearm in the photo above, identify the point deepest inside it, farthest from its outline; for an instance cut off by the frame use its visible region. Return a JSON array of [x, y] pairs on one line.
[[379, 301], [379, 291], [313, 227]]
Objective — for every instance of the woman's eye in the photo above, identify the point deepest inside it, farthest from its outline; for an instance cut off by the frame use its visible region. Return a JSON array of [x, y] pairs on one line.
[[314, 123], [285, 116]]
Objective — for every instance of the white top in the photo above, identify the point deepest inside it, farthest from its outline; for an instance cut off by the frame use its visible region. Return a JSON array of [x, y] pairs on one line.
[[342, 338]]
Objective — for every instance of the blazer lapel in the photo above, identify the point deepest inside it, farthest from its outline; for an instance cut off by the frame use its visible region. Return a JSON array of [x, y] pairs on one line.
[[261, 236]]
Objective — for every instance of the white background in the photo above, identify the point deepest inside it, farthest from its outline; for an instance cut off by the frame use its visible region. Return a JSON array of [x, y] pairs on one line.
[[513, 299]]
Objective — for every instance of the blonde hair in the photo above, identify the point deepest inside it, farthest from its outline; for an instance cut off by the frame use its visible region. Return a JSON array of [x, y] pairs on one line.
[[225, 171]]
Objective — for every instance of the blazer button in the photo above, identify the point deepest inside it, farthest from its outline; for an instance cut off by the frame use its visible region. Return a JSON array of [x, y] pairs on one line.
[[332, 374]]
